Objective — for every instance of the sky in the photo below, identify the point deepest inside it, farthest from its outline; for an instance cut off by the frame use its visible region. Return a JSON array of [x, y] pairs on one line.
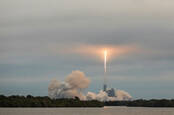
[[35, 36]]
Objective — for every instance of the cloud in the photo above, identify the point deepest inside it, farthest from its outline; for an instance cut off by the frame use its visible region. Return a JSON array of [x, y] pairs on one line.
[[32, 32], [77, 79], [74, 85], [96, 50]]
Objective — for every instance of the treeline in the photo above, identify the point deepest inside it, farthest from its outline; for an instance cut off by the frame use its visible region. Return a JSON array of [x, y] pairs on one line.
[[31, 101], [142, 103]]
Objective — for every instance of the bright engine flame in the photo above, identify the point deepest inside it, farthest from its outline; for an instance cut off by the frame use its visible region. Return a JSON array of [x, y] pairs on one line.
[[104, 51], [105, 59]]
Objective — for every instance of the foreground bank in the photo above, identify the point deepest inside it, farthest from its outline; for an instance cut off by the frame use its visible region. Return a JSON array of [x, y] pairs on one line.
[[143, 103], [31, 101]]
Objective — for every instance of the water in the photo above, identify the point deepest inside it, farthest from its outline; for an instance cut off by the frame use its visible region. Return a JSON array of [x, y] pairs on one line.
[[88, 111]]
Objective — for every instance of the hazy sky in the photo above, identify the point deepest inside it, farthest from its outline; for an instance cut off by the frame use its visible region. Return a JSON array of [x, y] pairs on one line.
[[33, 32]]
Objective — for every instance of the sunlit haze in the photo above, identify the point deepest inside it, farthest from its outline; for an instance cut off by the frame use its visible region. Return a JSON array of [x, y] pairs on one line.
[[132, 41]]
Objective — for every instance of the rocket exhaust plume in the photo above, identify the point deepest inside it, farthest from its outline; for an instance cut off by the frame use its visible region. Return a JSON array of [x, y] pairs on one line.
[[74, 85], [105, 59]]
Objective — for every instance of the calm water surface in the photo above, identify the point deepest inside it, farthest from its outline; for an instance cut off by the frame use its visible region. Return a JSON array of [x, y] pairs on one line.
[[88, 111]]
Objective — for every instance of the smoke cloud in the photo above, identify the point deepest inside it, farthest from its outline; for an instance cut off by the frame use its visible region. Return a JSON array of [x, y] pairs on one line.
[[123, 95], [103, 96], [74, 85]]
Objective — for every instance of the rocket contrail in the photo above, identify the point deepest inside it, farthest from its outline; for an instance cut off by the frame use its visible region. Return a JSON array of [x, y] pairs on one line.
[[105, 59]]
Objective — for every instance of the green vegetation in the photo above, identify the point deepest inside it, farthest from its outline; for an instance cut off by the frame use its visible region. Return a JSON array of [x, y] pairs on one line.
[[142, 103], [30, 101]]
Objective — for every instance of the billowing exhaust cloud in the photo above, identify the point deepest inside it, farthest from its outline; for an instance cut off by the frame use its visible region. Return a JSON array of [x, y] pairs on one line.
[[103, 96], [123, 95], [77, 80], [74, 85]]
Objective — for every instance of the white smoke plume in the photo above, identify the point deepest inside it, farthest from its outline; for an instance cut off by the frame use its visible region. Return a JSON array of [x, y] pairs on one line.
[[103, 96], [74, 85], [123, 95]]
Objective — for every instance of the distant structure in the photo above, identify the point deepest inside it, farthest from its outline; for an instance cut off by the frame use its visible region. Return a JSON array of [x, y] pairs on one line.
[[110, 92], [104, 87]]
